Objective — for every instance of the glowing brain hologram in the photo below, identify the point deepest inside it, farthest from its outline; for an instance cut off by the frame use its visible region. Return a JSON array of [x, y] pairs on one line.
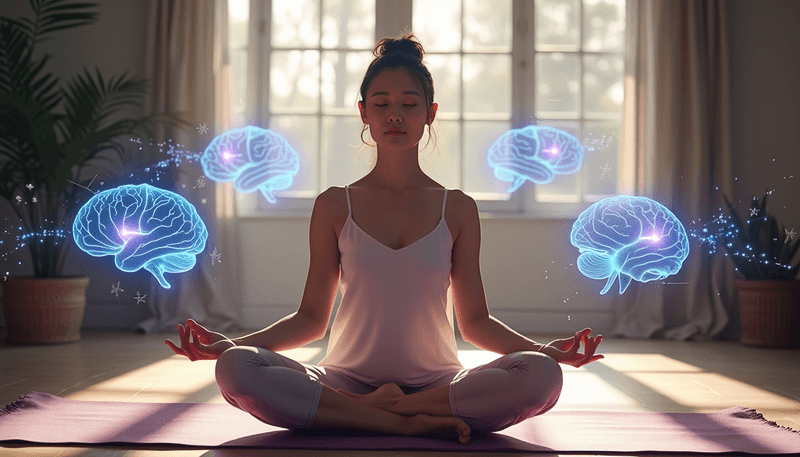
[[629, 238], [253, 158], [535, 153], [142, 227]]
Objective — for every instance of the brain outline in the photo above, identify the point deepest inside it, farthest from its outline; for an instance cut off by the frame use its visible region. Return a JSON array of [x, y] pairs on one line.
[[253, 158], [142, 226], [536, 153], [629, 237]]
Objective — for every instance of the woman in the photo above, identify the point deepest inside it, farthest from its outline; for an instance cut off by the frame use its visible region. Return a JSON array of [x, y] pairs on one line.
[[391, 365]]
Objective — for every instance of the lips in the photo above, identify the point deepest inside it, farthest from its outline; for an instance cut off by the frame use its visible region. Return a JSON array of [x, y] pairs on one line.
[[394, 132]]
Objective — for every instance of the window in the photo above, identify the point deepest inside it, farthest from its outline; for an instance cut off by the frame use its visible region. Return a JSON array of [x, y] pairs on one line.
[[500, 64]]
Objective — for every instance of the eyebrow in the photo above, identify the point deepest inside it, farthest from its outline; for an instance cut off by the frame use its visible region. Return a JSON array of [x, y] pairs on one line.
[[411, 92]]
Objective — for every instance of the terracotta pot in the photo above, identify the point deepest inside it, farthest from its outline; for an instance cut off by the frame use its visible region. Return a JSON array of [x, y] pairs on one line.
[[770, 312], [44, 310]]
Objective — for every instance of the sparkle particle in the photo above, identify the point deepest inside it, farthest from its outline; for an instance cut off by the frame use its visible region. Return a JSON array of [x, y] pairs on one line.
[[202, 129], [34, 199], [754, 212], [116, 290], [204, 201], [790, 234], [215, 256], [201, 182], [606, 170], [139, 297], [29, 186], [19, 199]]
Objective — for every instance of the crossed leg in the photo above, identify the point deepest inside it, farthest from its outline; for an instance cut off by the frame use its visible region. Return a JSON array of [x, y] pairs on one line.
[[280, 392]]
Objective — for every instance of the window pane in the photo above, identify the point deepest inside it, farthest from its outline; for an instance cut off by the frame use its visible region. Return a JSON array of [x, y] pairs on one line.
[[558, 87], [437, 24], [238, 23], [302, 133], [348, 23], [557, 25], [487, 84], [601, 161], [487, 25], [342, 73], [295, 23], [442, 164], [238, 62], [563, 188], [294, 80], [478, 175], [340, 145], [602, 82], [604, 25], [446, 73]]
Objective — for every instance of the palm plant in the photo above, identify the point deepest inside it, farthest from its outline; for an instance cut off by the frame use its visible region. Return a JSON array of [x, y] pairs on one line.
[[757, 248], [43, 153]]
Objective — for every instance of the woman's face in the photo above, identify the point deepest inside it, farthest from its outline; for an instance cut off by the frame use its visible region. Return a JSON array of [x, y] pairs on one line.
[[395, 110]]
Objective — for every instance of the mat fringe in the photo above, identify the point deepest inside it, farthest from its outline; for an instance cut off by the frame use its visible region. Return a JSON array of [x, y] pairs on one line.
[[15, 405], [753, 414]]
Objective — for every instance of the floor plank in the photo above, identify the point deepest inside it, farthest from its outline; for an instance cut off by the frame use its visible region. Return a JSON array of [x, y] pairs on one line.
[[636, 375]]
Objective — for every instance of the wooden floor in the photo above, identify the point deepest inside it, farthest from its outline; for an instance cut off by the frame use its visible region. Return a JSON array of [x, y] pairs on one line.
[[636, 375]]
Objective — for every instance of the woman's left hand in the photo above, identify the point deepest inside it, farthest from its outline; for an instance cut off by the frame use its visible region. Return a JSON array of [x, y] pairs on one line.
[[566, 350]]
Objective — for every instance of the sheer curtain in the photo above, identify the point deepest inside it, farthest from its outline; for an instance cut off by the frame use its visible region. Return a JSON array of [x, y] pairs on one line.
[[677, 143], [187, 63]]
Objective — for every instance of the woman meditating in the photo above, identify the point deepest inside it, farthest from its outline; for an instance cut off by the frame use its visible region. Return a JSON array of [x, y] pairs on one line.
[[391, 365]]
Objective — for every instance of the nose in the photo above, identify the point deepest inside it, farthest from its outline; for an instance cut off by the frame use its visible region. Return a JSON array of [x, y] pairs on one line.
[[394, 115]]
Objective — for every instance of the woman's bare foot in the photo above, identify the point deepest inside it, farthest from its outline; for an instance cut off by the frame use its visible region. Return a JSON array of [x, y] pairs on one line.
[[384, 397], [438, 426]]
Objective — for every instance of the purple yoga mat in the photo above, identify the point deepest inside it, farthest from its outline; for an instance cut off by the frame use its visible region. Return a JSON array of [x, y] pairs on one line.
[[43, 418]]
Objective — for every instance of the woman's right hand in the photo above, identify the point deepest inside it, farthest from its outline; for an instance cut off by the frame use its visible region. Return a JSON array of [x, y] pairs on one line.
[[198, 343]]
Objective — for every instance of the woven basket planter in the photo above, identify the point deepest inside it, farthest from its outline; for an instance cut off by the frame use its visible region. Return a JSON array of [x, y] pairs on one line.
[[770, 312], [44, 310]]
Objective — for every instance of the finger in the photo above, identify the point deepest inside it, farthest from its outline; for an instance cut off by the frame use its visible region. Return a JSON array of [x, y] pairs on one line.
[[186, 345], [173, 347], [196, 346]]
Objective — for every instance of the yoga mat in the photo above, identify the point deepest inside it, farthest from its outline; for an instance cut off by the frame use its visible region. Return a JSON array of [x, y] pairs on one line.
[[43, 418]]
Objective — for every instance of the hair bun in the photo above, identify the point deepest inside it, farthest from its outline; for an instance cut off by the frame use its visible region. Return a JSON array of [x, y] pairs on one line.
[[404, 44]]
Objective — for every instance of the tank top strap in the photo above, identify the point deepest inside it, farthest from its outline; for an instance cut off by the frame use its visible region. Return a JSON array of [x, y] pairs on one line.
[[347, 191], [444, 202]]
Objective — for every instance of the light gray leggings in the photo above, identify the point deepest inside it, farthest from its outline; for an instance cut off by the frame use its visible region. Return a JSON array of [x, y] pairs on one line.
[[282, 392]]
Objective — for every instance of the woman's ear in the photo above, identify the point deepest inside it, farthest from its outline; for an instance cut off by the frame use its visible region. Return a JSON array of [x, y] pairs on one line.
[[362, 112], [432, 113]]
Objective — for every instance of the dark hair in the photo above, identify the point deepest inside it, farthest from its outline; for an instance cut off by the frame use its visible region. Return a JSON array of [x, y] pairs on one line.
[[403, 51]]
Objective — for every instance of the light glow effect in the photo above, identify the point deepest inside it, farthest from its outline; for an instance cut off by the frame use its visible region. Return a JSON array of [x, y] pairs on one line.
[[535, 153], [609, 235], [142, 227]]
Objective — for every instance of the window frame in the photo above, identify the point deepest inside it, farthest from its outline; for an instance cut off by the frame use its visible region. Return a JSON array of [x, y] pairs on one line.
[[391, 18]]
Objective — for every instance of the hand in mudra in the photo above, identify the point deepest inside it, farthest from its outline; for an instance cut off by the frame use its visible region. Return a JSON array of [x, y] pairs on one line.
[[198, 343], [566, 350]]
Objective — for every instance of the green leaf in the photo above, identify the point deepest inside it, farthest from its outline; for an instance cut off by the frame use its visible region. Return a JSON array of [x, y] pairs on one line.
[[54, 15]]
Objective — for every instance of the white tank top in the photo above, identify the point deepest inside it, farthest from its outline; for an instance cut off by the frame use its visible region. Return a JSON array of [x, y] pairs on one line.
[[394, 323]]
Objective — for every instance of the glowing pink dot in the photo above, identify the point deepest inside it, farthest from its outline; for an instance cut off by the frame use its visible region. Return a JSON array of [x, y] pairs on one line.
[[227, 156], [651, 237], [553, 150]]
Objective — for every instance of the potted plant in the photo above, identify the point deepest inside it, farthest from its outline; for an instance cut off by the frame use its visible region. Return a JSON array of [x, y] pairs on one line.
[[48, 160], [769, 294]]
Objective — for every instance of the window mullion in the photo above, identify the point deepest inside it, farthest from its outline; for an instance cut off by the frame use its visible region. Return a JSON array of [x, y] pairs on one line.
[[524, 80], [392, 17]]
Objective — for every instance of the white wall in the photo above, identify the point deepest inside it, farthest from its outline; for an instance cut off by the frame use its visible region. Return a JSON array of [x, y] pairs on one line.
[[517, 255]]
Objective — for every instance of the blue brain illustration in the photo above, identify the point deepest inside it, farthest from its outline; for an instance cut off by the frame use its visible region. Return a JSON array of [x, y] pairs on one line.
[[535, 153], [142, 227], [253, 158], [629, 237]]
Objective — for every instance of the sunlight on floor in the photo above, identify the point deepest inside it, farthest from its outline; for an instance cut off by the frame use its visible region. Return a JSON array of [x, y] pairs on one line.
[[165, 381]]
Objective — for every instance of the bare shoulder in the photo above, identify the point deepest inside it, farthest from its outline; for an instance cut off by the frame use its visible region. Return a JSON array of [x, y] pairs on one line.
[[463, 209]]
